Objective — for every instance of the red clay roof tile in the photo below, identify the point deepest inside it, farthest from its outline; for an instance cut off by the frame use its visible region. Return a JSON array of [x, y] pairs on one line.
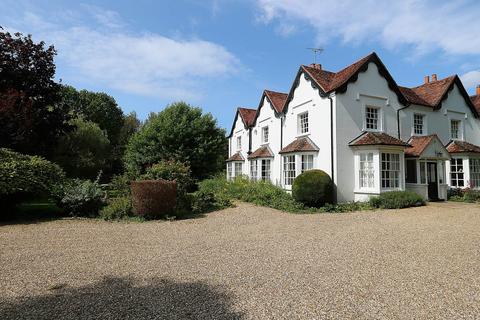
[[418, 144], [462, 147], [236, 157], [300, 145], [428, 94], [377, 138], [248, 115], [476, 101], [262, 152], [277, 99]]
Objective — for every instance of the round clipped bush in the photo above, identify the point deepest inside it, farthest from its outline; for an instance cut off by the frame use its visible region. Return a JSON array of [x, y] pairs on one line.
[[313, 188], [153, 198]]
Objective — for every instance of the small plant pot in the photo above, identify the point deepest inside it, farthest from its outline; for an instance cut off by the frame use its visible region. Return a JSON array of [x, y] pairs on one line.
[[153, 198]]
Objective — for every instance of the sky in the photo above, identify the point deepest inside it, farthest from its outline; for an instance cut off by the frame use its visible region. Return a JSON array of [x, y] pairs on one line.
[[222, 54]]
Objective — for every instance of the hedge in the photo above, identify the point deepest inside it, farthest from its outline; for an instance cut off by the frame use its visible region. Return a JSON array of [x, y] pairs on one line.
[[154, 198]]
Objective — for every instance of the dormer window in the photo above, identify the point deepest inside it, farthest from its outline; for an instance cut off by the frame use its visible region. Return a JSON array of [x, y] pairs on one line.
[[372, 118], [265, 135], [303, 123], [239, 143], [456, 129], [418, 124]]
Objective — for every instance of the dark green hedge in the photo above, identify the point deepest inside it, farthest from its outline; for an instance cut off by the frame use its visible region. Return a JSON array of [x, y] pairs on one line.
[[397, 200]]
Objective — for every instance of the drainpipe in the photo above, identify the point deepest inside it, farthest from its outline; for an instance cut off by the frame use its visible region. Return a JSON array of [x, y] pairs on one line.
[[398, 120], [249, 141], [332, 159], [281, 146]]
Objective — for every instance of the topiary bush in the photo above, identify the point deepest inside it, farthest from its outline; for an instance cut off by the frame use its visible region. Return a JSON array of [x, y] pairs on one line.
[[81, 198], [117, 209], [23, 176], [154, 198], [397, 200], [314, 188]]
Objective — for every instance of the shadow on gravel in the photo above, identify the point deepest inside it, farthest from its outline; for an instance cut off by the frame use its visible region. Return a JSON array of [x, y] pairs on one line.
[[120, 298]]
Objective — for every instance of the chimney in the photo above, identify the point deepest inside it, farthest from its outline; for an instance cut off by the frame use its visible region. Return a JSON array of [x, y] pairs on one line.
[[317, 66], [477, 90], [426, 79], [434, 77]]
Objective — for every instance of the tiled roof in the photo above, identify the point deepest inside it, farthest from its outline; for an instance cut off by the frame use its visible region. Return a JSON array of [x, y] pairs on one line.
[[300, 145], [330, 81], [428, 94], [248, 115], [376, 138], [418, 144], [462, 147], [476, 101], [236, 157], [277, 99], [262, 152]]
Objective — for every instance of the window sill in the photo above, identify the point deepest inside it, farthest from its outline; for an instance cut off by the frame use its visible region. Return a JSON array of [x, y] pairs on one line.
[[366, 191], [302, 135]]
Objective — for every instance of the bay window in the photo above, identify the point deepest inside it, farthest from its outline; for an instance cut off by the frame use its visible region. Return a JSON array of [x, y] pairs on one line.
[[366, 172], [238, 169], [289, 169], [266, 169], [307, 162], [456, 173], [474, 173], [253, 170], [390, 170], [229, 171]]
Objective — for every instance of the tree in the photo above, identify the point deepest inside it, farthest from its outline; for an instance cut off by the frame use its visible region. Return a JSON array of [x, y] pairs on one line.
[[30, 119], [83, 152], [180, 132]]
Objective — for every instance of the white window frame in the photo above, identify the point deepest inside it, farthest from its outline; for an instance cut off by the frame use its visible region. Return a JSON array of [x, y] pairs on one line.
[[379, 118], [303, 127], [289, 169], [266, 170], [474, 174], [459, 130], [229, 170], [239, 143], [265, 134], [366, 170], [424, 124], [254, 169], [456, 171], [238, 172], [390, 170], [306, 162]]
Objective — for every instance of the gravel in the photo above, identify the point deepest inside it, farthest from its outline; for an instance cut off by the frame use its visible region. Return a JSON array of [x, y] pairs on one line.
[[247, 262]]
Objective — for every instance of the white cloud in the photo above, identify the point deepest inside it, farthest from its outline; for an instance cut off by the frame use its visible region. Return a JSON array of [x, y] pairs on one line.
[[426, 25], [108, 54], [471, 79]]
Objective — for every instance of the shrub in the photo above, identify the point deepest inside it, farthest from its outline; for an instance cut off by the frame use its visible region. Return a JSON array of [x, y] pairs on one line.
[[119, 186], [154, 198], [23, 176], [454, 192], [397, 200], [346, 207], [171, 170], [471, 195], [313, 188], [118, 208], [81, 197]]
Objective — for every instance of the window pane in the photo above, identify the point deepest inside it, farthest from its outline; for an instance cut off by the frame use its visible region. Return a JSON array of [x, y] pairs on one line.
[[289, 169], [303, 122], [307, 162], [266, 170], [418, 123], [366, 171], [456, 172], [474, 173], [411, 171], [253, 170], [390, 170], [371, 118]]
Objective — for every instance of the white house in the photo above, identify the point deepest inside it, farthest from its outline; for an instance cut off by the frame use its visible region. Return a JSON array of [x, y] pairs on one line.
[[369, 134]]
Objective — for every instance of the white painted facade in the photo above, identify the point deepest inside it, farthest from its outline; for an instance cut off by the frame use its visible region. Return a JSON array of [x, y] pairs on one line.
[[344, 114]]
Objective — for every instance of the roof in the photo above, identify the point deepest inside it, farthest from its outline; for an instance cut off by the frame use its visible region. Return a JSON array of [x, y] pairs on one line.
[[248, 115], [456, 146], [429, 94], [303, 144], [418, 144], [277, 99], [476, 102], [262, 152], [377, 138], [236, 157]]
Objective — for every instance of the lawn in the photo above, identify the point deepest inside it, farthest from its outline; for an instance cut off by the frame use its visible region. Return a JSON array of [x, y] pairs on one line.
[[247, 262]]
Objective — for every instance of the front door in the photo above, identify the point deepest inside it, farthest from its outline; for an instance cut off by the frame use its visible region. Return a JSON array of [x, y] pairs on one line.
[[432, 180]]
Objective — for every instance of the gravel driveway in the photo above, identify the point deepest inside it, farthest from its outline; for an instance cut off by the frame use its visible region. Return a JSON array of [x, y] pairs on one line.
[[247, 263]]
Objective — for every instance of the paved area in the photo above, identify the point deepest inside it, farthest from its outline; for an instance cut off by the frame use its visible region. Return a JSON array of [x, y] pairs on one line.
[[247, 263]]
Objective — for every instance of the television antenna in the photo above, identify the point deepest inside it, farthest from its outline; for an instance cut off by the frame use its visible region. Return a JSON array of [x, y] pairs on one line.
[[315, 52]]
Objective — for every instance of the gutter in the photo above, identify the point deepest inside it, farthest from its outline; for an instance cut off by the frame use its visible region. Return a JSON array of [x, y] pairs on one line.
[[332, 160]]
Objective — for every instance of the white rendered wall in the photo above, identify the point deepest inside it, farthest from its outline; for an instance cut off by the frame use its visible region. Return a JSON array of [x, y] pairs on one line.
[[239, 131], [307, 98], [369, 89]]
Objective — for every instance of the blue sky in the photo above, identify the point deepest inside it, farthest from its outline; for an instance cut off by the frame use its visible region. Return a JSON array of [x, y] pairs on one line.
[[221, 54]]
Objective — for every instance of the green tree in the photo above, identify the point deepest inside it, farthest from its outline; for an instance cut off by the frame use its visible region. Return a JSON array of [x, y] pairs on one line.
[[30, 118], [83, 152], [180, 132]]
